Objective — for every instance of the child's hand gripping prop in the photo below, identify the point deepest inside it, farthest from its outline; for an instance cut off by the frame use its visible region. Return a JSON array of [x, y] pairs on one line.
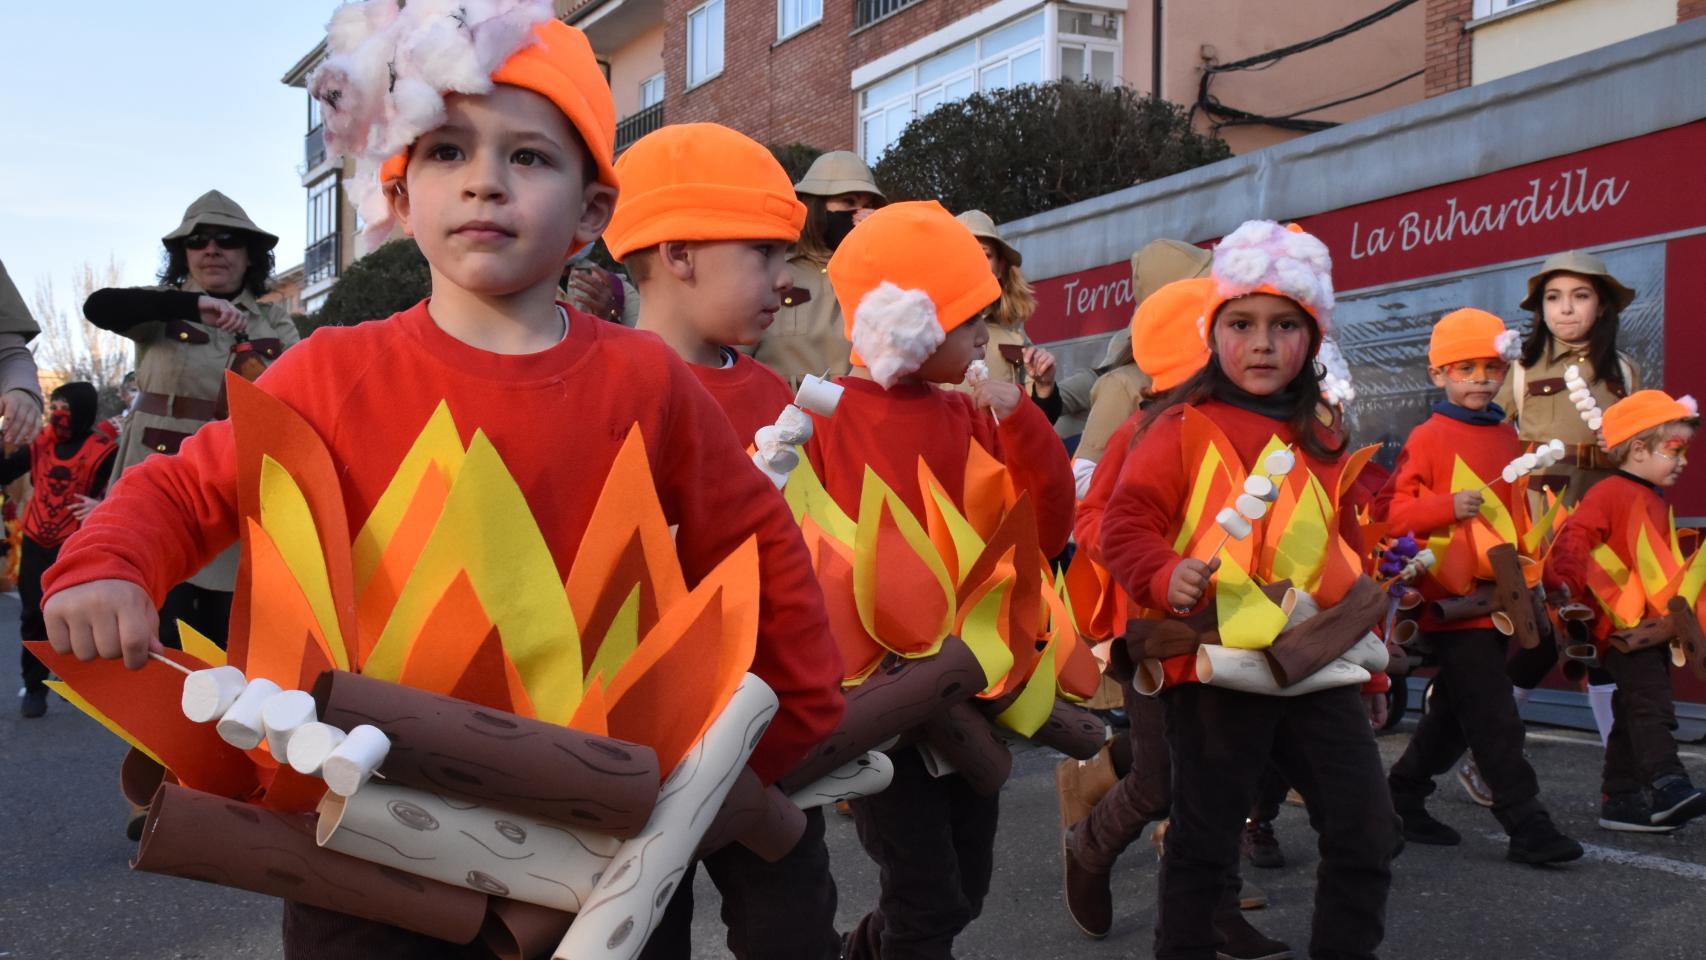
[[777, 446]]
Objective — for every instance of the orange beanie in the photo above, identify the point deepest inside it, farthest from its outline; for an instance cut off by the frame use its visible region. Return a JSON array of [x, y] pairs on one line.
[[905, 276], [1643, 410], [701, 181], [560, 66], [1471, 334], [1167, 332]]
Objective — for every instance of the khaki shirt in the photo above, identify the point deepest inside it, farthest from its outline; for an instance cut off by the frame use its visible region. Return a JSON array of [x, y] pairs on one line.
[[188, 359], [1112, 402], [1545, 411], [808, 335], [1075, 398]]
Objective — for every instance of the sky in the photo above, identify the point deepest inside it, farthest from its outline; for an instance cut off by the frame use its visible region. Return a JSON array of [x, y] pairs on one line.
[[120, 113]]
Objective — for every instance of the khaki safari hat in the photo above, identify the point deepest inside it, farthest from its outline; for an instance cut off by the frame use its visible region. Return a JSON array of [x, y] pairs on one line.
[[1161, 262], [838, 172], [215, 209], [1577, 262], [983, 228]]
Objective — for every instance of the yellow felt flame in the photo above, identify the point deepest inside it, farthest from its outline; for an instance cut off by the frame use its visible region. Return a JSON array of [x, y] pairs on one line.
[[1542, 527], [619, 640], [1248, 619], [1627, 601], [290, 524], [198, 646], [807, 497], [1692, 579], [1300, 551], [438, 445], [1493, 511], [1027, 713], [1196, 507], [980, 628], [1653, 571], [956, 539], [488, 531]]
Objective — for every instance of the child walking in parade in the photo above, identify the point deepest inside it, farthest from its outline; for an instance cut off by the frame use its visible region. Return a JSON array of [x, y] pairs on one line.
[[912, 282], [703, 226], [69, 464], [1433, 497], [1645, 788], [498, 186], [1252, 420], [1168, 342]]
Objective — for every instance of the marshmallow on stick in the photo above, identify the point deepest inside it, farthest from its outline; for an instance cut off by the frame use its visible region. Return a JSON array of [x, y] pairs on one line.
[[1582, 396], [1260, 489], [777, 446], [1540, 458]]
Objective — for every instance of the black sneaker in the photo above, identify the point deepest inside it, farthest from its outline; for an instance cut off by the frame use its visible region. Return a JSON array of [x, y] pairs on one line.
[[1676, 801], [1261, 846], [34, 702], [1245, 942], [1421, 827], [1629, 813], [1537, 841]]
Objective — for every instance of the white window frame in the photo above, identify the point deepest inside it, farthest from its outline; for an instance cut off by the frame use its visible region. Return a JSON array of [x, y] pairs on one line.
[[810, 13], [705, 73], [1486, 8], [651, 85]]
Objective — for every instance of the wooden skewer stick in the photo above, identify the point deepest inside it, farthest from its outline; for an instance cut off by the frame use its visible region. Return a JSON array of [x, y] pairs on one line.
[[175, 665]]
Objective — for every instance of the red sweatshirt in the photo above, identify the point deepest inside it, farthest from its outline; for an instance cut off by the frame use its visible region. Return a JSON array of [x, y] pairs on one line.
[[558, 418], [1087, 528], [1418, 499], [1606, 514], [1145, 513], [890, 429], [749, 393]]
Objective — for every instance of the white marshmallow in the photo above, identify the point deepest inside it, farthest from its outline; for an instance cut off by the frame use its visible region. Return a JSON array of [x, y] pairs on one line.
[[1233, 523], [281, 716], [311, 744], [1595, 422], [209, 693], [819, 396], [1252, 508], [1280, 462], [1586, 405], [793, 425], [241, 726], [354, 761], [1510, 474], [1257, 485], [1557, 446], [1527, 462], [1425, 558]]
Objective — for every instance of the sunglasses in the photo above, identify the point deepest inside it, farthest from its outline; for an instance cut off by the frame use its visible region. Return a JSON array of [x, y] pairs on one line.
[[225, 239], [1476, 371]]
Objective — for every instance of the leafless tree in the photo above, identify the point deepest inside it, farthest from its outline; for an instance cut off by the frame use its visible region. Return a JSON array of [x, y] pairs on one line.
[[70, 348]]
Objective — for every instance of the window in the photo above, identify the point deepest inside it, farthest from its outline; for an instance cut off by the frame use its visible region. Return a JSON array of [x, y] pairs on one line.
[[704, 43], [792, 16], [320, 259], [1486, 8], [1081, 44], [313, 113], [651, 91]]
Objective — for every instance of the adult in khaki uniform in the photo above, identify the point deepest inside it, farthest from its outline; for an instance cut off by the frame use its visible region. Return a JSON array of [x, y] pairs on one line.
[[203, 319], [808, 335], [1010, 355], [20, 391]]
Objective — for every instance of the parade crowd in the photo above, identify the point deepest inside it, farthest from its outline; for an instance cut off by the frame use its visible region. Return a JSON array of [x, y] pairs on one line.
[[1196, 492]]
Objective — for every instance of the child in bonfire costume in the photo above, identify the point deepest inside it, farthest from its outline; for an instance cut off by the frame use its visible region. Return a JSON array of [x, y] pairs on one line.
[[1266, 641], [703, 225], [912, 282], [1167, 339], [463, 526], [1618, 554], [1437, 493], [69, 464]]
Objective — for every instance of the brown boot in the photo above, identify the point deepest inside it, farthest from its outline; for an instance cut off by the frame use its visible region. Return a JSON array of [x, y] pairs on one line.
[[1089, 900], [1078, 784]]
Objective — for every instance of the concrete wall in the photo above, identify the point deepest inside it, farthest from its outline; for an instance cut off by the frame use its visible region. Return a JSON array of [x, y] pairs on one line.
[[1529, 36], [633, 64]]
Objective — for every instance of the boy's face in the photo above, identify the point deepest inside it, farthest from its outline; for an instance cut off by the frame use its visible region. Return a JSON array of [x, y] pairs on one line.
[[498, 194], [964, 344], [1261, 342], [1471, 384], [737, 285], [1662, 463]]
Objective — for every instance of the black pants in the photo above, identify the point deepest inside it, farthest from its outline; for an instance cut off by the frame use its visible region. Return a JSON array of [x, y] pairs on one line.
[[1471, 709], [1642, 747], [1140, 797], [933, 839], [1222, 741], [1529, 666], [773, 911], [208, 612], [1270, 793], [33, 561], [311, 933]]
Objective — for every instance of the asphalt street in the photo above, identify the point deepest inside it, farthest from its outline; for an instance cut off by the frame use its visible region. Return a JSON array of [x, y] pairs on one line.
[[66, 890]]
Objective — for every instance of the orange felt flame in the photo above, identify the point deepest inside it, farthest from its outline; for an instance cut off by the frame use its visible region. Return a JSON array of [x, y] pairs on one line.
[[285, 645], [379, 596], [833, 563], [911, 604], [988, 490]]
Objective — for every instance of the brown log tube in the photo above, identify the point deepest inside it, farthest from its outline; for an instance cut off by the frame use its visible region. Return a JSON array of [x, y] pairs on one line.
[[759, 818], [1648, 633], [1072, 730], [516, 930], [1323, 638], [199, 836], [1515, 598], [899, 695], [499, 759], [1689, 635], [964, 738], [1177, 636], [1479, 602]]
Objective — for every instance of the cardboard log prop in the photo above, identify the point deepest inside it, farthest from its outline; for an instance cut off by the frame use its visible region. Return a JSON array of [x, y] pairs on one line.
[[1177, 636], [139, 777], [1072, 730], [459, 843], [899, 695], [960, 740], [630, 898], [1250, 671], [497, 759], [1516, 599], [522, 931], [1679, 628], [871, 773], [1479, 602], [759, 818], [199, 836], [1311, 645]]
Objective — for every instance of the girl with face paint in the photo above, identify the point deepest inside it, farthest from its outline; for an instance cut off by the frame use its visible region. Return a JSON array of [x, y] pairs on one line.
[[1264, 319], [839, 192], [69, 463]]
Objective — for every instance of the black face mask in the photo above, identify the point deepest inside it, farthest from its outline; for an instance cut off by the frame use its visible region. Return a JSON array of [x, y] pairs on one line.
[[837, 225]]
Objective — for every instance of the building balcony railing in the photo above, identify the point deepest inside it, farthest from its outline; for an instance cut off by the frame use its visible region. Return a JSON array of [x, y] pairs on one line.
[[320, 260], [314, 148], [637, 125], [867, 12]]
